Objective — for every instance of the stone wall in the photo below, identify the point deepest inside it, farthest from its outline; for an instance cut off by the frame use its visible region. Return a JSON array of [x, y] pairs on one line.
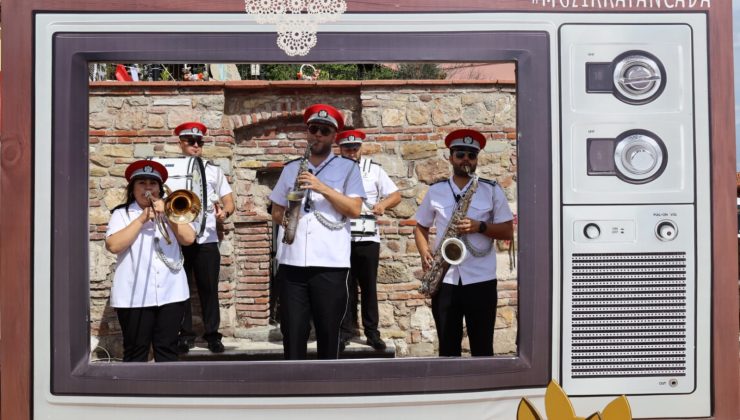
[[256, 126]]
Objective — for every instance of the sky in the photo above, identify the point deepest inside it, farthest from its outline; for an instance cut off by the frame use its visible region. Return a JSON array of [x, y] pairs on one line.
[[736, 55]]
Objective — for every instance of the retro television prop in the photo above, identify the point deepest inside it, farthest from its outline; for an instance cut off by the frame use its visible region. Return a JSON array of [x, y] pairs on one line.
[[553, 203]]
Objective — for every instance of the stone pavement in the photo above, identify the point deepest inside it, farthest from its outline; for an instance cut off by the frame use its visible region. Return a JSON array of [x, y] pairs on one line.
[[266, 344]]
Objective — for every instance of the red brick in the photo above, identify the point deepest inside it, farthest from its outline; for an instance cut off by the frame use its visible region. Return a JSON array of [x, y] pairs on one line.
[[258, 258], [122, 133], [257, 245], [256, 273]]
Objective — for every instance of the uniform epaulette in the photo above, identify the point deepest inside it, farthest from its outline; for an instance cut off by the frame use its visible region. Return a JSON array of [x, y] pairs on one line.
[[488, 181], [441, 180], [375, 163], [355, 161]]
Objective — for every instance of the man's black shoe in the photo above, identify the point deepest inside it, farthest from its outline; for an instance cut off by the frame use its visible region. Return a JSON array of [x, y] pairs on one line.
[[215, 346], [375, 342], [184, 345], [343, 343]]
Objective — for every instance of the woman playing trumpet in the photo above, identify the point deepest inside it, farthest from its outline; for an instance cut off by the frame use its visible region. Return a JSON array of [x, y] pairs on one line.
[[149, 285]]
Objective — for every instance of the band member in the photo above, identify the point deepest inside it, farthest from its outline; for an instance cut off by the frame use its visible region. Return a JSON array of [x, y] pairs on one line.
[[202, 258], [314, 257], [468, 290], [382, 194], [150, 288]]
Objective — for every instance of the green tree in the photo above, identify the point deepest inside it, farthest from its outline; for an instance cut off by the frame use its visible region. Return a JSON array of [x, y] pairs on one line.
[[420, 71], [330, 71]]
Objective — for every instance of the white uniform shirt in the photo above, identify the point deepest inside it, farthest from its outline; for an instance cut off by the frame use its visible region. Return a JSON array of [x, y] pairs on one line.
[[377, 185], [141, 278], [216, 187], [315, 245], [488, 205]]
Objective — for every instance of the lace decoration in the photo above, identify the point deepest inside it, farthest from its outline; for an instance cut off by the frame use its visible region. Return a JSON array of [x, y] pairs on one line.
[[173, 266], [297, 21]]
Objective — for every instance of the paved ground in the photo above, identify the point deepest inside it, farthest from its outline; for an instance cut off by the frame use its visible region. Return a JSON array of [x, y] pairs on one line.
[[246, 349]]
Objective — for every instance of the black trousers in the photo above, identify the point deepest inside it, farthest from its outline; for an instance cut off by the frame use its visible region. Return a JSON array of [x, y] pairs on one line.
[[306, 293], [476, 303], [153, 326], [364, 272], [202, 265]]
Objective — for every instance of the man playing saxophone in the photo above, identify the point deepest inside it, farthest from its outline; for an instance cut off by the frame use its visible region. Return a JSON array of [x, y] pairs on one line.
[[468, 287], [314, 265]]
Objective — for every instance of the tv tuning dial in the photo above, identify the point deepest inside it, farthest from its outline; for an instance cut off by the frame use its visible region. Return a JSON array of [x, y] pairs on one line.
[[638, 77]]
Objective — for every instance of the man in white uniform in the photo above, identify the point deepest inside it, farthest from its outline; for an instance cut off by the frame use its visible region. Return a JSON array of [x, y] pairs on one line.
[[203, 259], [382, 194], [313, 272], [469, 289]]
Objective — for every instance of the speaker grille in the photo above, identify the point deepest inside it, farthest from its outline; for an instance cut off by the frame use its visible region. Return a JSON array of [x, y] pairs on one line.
[[628, 315]]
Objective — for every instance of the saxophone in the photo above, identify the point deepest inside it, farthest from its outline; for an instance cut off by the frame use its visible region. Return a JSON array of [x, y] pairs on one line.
[[450, 248], [295, 198]]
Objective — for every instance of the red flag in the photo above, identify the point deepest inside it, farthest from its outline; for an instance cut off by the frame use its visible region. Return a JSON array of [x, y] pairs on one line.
[[122, 75]]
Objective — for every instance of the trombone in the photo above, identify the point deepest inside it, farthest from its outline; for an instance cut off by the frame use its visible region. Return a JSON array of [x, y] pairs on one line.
[[180, 207]]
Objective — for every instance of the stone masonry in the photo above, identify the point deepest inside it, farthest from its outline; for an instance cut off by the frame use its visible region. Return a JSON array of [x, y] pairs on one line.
[[253, 128]]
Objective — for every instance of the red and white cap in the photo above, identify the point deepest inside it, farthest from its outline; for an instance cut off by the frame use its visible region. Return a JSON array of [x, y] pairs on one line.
[[146, 169], [190, 129], [350, 137], [466, 138], [326, 114]]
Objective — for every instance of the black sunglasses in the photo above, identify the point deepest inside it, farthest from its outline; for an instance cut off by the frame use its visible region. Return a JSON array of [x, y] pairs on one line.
[[193, 142], [325, 131], [459, 154]]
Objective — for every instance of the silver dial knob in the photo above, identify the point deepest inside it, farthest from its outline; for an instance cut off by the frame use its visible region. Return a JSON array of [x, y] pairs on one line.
[[592, 231], [639, 157], [638, 77], [666, 230]]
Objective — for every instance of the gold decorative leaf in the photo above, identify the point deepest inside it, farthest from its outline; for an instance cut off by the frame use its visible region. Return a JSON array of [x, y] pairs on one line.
[[527, 411], [618, 409], [557, 404]]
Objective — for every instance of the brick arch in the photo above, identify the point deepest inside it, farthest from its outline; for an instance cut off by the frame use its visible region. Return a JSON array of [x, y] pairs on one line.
[[260, 117]]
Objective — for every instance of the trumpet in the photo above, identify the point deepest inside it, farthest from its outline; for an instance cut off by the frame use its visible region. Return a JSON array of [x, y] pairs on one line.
[[181, 206]]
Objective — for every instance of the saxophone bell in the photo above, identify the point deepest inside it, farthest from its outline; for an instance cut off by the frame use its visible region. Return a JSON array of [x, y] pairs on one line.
[[453, 251]]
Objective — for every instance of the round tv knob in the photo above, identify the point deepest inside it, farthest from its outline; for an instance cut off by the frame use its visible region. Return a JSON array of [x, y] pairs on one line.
[[666, 230], [591, 231], [638, 77], [639, 156]]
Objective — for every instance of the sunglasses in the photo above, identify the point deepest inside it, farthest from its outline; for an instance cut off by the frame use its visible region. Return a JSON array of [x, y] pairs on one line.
[[193, 142], [350, 146], [459, 154], [325, 131]]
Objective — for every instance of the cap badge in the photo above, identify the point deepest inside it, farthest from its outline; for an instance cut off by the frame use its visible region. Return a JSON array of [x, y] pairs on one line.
[[468, 140], [323, 113], [148, 169], [195, 130], [351, 138]]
